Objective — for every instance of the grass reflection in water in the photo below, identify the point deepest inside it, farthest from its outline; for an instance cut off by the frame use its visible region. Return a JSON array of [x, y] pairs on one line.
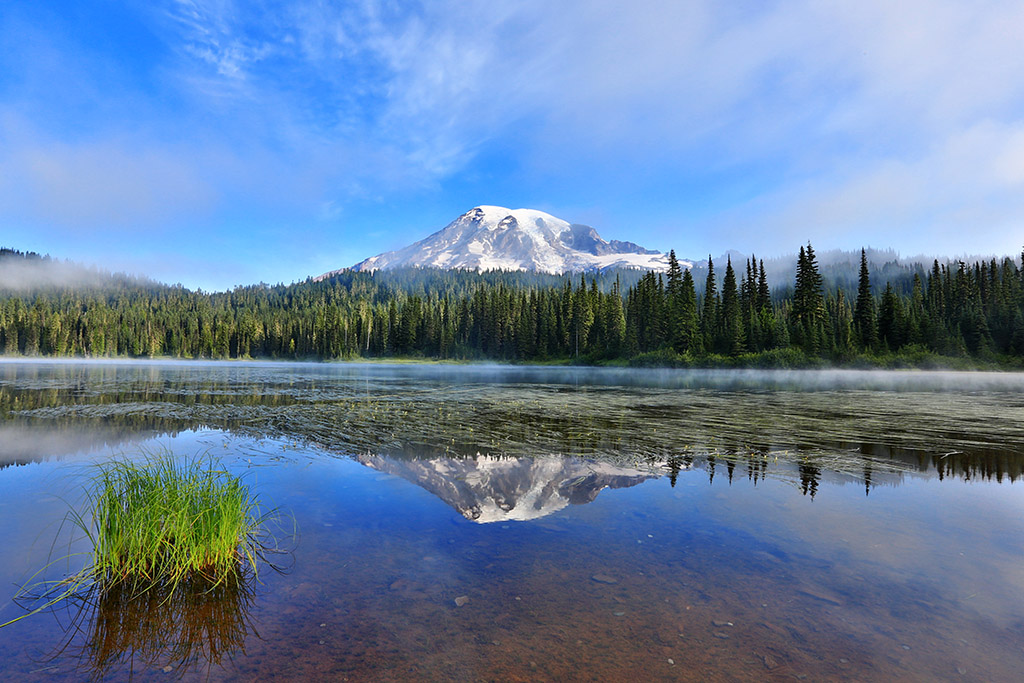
[[194, 624]]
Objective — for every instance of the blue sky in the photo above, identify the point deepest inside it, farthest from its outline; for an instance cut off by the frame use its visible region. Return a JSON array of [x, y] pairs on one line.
[[216, 143]]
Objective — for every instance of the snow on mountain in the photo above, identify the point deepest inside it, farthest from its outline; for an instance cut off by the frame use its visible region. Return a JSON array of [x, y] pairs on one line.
[[493, 238]]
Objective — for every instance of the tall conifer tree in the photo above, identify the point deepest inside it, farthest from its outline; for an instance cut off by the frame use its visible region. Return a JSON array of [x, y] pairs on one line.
[[864, 321], [689, 329], [731, 340], [709, 310], [674, 303], [808, 301]]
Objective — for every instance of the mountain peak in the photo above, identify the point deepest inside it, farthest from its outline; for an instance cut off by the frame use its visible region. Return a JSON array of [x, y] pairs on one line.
[[496, 238]]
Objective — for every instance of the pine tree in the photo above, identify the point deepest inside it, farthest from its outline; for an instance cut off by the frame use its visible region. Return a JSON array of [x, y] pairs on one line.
[[764, 293], [864, 322], [689, 324], [731, 340], [808, 302], [841, 329], [616, 321], [674, 302], [748, 305], [916, 318], [890, 320], [709, 310]]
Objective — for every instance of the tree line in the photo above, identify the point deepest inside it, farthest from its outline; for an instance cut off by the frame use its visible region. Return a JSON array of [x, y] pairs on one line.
[[680, 317]]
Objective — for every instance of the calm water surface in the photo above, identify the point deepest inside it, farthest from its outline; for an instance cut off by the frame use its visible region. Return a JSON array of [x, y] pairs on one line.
[[488, 523]]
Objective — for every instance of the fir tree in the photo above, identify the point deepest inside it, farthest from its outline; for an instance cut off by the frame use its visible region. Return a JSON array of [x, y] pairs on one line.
[[674, 295], [864, 321], [709, 310], [689, 337], [890, 320], [808, 301], [731, 340]]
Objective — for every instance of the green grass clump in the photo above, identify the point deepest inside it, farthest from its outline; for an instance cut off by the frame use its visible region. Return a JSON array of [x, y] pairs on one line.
[[163, 527], [165, 521]]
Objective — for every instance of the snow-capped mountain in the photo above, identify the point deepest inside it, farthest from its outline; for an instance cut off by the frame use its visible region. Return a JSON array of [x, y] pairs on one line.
[[493, 237]]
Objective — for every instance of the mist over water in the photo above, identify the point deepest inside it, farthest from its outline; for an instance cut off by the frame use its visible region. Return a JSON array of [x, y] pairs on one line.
[[834, 420], [755, 379]]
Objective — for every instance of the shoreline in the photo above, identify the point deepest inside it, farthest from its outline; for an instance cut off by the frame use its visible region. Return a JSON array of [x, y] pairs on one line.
[[722, 364]]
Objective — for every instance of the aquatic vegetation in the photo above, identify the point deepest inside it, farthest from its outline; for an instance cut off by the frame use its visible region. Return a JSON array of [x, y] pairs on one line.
[[163, 525], [164, 521]]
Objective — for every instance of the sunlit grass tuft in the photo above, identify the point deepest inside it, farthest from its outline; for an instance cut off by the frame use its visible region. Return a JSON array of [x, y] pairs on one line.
[[160, 526], [164, 521]]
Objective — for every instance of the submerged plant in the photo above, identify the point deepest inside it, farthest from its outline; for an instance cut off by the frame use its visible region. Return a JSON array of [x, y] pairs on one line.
[[162, 526]]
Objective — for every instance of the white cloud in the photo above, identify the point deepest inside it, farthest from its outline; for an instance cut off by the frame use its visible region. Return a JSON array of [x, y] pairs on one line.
[[966, 195]]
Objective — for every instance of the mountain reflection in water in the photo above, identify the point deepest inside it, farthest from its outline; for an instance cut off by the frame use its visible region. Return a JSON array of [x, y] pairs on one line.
[[490, 489]]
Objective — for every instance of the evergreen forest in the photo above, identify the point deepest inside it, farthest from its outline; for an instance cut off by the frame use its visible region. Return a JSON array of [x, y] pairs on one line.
[[953, 314]]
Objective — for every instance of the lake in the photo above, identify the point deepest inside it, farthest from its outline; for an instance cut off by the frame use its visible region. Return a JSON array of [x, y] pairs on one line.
[[529, 523]]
